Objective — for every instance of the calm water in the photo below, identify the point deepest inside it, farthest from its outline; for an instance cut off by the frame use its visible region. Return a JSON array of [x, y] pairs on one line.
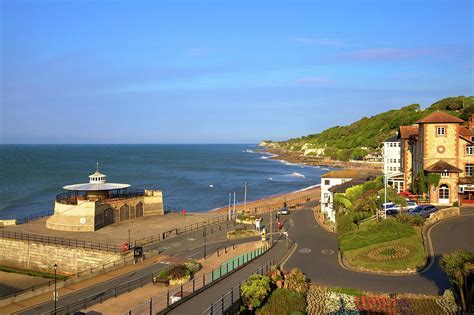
[[193, 177]]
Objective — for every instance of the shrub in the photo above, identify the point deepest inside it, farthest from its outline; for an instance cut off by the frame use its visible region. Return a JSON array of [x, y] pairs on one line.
[[178, 271], [410, 219], [255, 290], [296, 280], [345, 223], [284, 301], [193, 267], [455, 204]]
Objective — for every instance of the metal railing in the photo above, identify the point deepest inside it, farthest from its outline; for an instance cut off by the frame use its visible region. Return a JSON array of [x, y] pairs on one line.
[[35, 216], [232, 297], [55, 240], [71, 197], [162, 301], [79, 274]]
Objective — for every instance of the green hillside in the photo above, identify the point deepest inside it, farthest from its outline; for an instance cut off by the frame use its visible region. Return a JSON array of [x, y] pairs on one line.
[[367, 134]]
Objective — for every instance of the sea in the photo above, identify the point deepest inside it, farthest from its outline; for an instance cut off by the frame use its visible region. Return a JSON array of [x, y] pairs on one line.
[[192, 177]]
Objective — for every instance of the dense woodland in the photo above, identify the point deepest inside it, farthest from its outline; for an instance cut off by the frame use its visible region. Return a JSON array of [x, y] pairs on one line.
[[367, 134]]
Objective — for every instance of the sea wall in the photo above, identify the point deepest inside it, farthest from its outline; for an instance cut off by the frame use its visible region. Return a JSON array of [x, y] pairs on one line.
[[39, 256], [7, 223]]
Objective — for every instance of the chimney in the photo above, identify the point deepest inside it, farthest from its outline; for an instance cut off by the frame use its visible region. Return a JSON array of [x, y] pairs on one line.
[[471, 122]]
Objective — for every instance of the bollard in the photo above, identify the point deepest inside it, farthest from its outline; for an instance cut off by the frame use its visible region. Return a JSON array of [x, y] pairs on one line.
[[151, 307], [168, 298], [193, 284], [222, 306], [203, 280]]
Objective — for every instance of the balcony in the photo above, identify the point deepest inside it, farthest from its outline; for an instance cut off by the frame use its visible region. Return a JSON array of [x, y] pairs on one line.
[[73, 197]]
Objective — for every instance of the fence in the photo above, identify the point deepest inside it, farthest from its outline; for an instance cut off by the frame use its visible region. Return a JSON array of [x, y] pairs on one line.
[[35, 216], [71, 278], [164, 301], [60, 241], [230, 299], [174, 232]]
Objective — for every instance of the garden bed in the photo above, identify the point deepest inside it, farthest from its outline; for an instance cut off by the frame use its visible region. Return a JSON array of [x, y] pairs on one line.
[[178, 273], [388, 246], [247, 218], [322, 300], [240, 233]]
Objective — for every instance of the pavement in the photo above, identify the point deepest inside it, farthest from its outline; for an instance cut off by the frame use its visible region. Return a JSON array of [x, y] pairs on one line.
[[201, 301], [317, 256], [185, 246]]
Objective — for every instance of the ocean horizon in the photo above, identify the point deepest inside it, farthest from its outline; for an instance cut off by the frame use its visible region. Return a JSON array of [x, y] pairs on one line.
[[195, 177]]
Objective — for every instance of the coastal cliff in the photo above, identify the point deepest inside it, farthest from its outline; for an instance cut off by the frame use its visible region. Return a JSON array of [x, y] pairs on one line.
[[359, 144]]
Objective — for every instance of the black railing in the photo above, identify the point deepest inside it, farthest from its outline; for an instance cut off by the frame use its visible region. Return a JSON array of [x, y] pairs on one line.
[[35, 216], [72, 197], [61, 241]]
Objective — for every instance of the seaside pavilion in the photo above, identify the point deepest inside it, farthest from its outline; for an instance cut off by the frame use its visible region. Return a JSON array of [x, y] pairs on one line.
[[90, 206]]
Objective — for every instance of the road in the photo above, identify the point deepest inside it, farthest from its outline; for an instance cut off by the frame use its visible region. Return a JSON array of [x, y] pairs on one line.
[[189, 245], [317, 249]]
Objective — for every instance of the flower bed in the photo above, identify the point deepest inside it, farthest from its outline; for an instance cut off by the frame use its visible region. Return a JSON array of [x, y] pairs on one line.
[[179, 273], [241, 233], [388, 253], [246, 218], [322, 301]]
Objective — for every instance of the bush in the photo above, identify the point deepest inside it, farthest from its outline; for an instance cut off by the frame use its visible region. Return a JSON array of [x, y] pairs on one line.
[[255, 290], [410, 219], [193, 267], [455, 204], [284, 301], [345, 223], [174, 272], [296, 280]]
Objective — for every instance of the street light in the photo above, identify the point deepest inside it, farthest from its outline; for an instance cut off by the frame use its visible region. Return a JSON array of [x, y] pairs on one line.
[[204, 234], [55, 288]]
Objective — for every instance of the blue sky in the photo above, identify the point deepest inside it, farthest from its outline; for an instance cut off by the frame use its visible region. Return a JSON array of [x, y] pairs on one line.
[[222, 71]]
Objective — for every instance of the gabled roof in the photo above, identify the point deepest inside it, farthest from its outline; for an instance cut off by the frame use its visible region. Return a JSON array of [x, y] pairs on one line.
[[466, 134], [442, 166], [392, 139], [342, 187], [408, 131], [352, 173], [439, 117]]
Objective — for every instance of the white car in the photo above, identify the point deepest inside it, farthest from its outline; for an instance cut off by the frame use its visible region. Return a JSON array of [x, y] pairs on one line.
[[410, 205]]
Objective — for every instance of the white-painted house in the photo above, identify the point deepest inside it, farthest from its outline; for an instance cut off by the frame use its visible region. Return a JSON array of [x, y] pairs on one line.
[[392, 166], [336, 178]]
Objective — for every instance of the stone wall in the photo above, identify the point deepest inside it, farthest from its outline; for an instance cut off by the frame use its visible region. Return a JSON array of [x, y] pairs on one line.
[[443, 214], [7, 223], [39, 256]]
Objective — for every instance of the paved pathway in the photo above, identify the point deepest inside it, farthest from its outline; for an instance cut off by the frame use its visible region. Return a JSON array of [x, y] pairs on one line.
[[203, 300], [317, 250], [189, 245]]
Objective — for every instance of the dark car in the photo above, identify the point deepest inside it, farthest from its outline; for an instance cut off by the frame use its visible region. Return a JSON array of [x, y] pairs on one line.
[[283, 211], [424, 210]]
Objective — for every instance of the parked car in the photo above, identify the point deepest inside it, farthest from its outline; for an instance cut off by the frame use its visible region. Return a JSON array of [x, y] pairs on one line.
[[411, 205], [283, 211], [424, 210], [391, 208]]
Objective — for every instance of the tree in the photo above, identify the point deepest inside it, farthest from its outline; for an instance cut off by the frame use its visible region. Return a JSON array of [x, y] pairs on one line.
[[456, 266], [255, 290]]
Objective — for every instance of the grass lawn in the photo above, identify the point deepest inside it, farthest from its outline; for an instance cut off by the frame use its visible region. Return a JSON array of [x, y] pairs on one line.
[[357, 245], [31, 272]]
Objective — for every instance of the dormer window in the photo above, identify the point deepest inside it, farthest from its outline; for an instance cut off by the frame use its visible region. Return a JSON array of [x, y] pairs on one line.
[[440, 131]]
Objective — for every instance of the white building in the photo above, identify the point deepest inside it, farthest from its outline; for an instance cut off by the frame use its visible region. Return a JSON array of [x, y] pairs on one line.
[[335, 178], [392, 166]]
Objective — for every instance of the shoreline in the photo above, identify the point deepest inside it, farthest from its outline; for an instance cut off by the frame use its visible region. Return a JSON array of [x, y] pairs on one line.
[[310, 193], [279, 154]]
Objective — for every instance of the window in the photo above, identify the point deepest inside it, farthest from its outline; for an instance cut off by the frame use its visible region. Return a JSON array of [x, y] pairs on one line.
[[441, 131], [444, 174], [469, 169], [470, 150], [327, 182]]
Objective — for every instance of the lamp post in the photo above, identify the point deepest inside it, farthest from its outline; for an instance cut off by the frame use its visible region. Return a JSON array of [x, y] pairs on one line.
[[204, 235], [55, 288], [129, 246]]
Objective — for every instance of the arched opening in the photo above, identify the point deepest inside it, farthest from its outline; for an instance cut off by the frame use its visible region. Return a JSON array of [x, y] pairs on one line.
[[443, 194], [124, 215], [139, 210]]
